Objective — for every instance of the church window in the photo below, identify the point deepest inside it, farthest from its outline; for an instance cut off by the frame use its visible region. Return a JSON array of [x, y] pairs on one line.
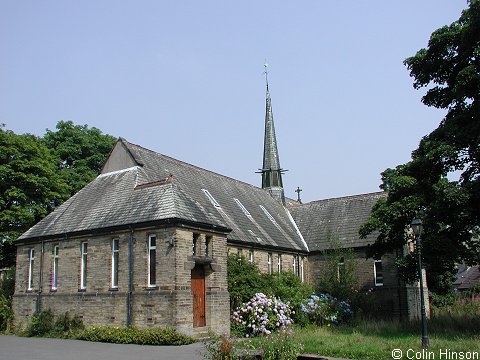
[[243, 208], [378, 271], [239, 254], [152, 260], [83, 266], [208, 244], [211, 198], [115, 255], [302, 273], [294, 265], [250, 256], [341, 269], [269, 263], [265, 211], [195, 244], [279, 263], [31, 260], [55, 254]]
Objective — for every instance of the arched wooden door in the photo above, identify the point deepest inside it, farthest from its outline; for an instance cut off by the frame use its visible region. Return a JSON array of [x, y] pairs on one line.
[[198, 294]]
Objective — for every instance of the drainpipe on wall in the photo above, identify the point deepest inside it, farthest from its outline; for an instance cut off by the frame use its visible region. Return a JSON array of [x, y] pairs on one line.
[[130, 278], [40, 277]]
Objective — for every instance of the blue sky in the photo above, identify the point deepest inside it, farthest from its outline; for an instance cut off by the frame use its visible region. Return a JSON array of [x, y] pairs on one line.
[[184, 78]]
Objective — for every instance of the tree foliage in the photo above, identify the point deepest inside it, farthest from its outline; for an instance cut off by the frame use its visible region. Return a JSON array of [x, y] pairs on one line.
[[450, 70], [80, 152], [30, 187], [38, 174]]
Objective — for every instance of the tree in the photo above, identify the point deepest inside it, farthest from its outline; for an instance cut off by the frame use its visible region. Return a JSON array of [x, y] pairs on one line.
[[30, 187], [80, 152], [450, 70]]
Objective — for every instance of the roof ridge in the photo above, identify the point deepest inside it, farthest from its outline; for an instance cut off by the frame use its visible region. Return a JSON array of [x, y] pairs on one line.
[[338, 198], [195, 166]]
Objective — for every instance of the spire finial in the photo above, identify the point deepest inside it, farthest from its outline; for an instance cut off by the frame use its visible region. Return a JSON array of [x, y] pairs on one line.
[[298, 191], [265, 65]]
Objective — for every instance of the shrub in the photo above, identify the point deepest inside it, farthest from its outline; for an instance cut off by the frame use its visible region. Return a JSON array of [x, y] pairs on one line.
[[220, 348], [279, 346], [131, 335], [40, 324], [65, 326], [262, 315], [325, 309], [6, 314]]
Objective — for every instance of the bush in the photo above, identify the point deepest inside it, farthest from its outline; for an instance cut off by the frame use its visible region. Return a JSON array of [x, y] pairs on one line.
[[131, 335], [220, 348], [40, 324], [262, 315], [67, 327], [279, 346], [7, 287], [325, 310]]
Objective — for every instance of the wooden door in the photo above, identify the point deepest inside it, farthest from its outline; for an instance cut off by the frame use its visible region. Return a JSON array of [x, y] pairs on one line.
[[198, 294]]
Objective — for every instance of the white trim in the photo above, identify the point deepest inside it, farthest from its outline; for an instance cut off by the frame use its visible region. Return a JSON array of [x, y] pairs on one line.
[[114, 272], [211, 198], [296, 228], [118, 171], [83, 267], [55, 267], [375, 262], [31, 262], [149, 248], [243, 208], [270, 217]]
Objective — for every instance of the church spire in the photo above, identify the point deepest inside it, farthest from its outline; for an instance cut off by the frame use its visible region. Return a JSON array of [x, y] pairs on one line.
[[271, 170]]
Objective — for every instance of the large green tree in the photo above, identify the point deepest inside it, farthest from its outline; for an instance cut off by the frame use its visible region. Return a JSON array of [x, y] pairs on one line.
[[80, 152], [441, 183], [30, 187]]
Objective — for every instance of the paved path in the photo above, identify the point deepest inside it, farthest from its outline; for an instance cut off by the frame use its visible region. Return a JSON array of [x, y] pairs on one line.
[[19, 348]]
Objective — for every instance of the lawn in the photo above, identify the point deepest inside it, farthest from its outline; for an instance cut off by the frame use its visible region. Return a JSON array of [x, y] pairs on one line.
[[377, 340]]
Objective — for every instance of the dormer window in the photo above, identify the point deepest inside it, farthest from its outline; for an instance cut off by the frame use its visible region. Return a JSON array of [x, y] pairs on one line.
[[211, 198]]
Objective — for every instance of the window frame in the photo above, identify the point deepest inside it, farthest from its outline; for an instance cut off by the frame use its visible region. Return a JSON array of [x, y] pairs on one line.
[[279, 263], [270, 263], [83, 265], [251, 257], [31, 264], [55, 257], [378, 275], [152, 265], [114, 263]]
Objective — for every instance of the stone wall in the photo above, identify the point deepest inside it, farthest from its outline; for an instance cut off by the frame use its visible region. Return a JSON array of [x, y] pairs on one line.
[[167, 304]]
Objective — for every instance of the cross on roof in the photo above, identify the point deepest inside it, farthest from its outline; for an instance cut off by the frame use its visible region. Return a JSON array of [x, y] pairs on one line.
[[298, 191]]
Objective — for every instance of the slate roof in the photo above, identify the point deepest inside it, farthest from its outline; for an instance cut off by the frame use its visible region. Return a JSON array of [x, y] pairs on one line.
[[466, 278], [145, 193], [338, 219]]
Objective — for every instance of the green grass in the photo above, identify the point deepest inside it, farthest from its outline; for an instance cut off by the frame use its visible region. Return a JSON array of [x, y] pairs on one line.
[[376, 340]]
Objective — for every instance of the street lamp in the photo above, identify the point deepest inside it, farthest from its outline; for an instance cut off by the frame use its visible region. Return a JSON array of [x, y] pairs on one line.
[[417, 227]]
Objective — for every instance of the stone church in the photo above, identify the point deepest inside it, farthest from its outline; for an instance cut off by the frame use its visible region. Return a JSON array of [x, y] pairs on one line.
[[146, 243]]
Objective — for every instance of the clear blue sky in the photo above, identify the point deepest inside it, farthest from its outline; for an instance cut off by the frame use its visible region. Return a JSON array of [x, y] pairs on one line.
[[184, 78]]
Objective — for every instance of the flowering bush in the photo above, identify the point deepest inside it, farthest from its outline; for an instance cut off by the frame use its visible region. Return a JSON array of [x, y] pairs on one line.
[[326, 309], [262, 315]]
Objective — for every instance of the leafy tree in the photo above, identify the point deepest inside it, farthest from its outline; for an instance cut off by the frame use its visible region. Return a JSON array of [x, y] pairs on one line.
[[30, 187], [450, 70], [80, 152]]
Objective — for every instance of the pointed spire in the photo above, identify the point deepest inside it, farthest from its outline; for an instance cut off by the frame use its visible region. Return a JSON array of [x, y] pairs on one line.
[[271, 170]]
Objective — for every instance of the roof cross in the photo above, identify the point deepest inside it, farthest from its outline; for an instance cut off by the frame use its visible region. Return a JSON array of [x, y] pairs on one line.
[[298, 191]]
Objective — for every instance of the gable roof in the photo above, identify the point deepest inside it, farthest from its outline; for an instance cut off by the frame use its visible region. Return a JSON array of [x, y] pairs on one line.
[[324, 221], [138, 186]]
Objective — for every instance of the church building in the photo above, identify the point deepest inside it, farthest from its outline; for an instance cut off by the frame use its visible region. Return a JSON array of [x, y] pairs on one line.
[[146, 243]]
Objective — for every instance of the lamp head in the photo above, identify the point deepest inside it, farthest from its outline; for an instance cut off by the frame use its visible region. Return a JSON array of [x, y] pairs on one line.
[[417, 226]]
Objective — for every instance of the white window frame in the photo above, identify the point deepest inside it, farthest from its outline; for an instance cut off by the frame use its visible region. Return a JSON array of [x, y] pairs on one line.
[[55, 256], [208, 245], [302, 273], [195, 244], [31, 263], [115, 258], [83, 267], [294, 265], [149, 257], [211, 198], [250, 255], [340, 265], [375, 275], [279, 263], [243, 208], [269, 263]]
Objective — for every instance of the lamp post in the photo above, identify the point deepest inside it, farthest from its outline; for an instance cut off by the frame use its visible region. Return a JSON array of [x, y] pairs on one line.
[[417, 227]]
